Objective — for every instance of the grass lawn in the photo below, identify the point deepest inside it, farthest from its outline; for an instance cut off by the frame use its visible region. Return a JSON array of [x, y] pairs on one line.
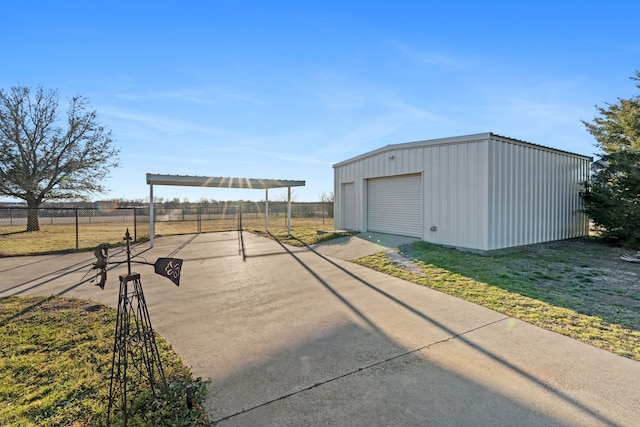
[[578, 288], [55, 366], [62, 237]]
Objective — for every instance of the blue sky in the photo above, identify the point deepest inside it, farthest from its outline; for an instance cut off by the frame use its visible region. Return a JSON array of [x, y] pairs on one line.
[[277, 89]]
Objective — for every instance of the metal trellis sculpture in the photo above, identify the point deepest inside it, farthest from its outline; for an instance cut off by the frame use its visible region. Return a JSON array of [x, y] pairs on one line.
[[135, 352]]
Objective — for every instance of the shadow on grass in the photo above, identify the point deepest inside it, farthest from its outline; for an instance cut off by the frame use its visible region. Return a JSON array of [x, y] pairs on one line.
[[25, 310], [581, 275], [302, 237], [11, 233]]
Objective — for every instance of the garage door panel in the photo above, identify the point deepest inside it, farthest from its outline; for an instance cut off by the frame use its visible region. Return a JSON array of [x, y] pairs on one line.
[[394, 205]]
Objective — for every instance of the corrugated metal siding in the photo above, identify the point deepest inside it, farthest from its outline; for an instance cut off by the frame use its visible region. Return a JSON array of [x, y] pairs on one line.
[[454, 186], [383, 164], [533, 195], [348, 206], [395, 205], [483, 194], [455, 194]]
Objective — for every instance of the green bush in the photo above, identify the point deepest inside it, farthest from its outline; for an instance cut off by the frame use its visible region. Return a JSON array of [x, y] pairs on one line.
[[612, 198]]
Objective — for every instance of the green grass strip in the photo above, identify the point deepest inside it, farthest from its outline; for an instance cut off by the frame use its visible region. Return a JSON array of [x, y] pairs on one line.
[[55, 365]]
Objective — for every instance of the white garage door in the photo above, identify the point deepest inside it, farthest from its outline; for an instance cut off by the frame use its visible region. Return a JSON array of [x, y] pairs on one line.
[[394, 205]]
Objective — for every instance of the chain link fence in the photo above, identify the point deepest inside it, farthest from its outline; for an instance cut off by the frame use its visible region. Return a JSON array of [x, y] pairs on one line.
[[56, 229], [32, 231]]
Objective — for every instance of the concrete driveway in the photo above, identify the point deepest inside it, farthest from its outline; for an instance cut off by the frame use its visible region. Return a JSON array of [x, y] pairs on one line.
[[300, 336]]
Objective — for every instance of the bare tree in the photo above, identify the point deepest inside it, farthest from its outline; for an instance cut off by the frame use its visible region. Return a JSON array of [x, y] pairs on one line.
[[283, 196], [45, 158], [327, 204]]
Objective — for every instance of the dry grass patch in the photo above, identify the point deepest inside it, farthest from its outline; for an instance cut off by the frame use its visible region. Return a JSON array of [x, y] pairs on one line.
[[62, 237], [55, 365], [301, 235]]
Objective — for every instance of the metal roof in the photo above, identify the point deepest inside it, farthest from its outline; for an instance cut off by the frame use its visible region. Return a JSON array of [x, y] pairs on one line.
[[456, 140], [221, 182]]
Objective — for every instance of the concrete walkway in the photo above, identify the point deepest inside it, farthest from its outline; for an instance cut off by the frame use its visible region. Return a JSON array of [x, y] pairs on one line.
[[299, 336]]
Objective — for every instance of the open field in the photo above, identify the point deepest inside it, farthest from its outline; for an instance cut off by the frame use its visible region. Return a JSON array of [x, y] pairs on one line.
[[62, 236], [579, 288]]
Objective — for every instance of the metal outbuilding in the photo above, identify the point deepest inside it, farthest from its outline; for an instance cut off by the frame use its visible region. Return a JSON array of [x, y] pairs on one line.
[[481, 192]]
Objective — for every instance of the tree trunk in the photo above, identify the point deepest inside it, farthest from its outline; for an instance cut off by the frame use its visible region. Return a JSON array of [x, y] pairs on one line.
[[32, 216]]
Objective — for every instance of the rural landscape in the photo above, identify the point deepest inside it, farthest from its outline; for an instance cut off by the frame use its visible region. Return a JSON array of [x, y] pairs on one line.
[[300, 214], [579, 288]]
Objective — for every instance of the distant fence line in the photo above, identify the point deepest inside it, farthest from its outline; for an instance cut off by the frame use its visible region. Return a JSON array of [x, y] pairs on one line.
[[75, 228], [17, 215], [172, 213]]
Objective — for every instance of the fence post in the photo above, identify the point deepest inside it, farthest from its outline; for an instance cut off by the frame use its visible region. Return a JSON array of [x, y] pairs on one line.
[[77, 231], [135, 224]]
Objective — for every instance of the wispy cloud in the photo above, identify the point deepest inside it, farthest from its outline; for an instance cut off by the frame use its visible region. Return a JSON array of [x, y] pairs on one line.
[[187, 95], [288, 157], [533, 112], [341, 98], [204, 96], [242, 98], [384, 113], [545, 101], [160, 122], [430, 59]]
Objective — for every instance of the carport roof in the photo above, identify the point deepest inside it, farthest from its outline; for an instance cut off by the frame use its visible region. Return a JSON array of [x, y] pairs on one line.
[[221, 182]]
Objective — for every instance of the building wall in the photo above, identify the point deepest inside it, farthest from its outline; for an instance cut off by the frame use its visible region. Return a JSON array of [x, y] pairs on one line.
[[481, 192], [455, 189], [534, 194], [454, 186]]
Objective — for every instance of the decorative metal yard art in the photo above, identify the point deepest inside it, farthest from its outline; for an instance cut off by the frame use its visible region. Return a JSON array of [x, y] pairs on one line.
[[135, 352]]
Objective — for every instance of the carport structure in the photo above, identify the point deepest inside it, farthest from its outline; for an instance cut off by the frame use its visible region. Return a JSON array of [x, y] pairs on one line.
[[221, 182]]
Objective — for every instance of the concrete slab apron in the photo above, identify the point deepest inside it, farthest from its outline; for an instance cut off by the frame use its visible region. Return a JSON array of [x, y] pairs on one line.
[[289, 336]]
